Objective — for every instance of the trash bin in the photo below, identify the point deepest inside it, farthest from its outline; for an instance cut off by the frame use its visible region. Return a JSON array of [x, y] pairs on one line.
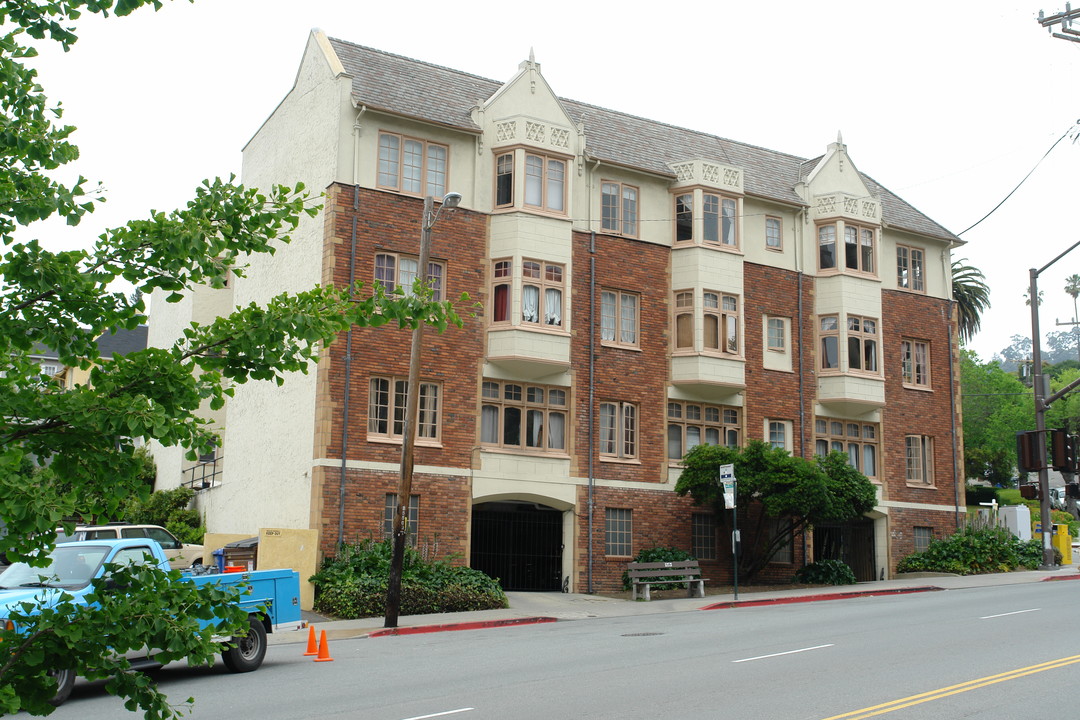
[[219, 559], [241, 553], [1063, 542]]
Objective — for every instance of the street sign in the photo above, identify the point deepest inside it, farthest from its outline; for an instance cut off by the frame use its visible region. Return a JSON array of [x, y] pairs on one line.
[[727, 478]]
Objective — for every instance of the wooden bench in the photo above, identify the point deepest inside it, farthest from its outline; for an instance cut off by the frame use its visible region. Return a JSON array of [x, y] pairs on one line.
[[677, 572]]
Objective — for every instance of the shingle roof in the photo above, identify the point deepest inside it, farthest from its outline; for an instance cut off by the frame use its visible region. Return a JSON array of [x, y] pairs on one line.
[[440, 95], [122, 342]]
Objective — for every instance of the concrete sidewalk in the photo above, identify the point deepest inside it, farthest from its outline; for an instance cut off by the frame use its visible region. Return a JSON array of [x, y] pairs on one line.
[[540, 607]]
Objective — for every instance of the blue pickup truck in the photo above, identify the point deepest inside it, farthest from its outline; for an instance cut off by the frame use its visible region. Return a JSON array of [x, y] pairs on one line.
[[271, 597]]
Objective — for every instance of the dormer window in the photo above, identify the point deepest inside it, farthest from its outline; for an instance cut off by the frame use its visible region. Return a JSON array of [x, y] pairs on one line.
[[716, 225], [619, 208], [860, 248]]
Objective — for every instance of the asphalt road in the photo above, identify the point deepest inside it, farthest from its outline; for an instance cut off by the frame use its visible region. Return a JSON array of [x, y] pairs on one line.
[[998, 652]]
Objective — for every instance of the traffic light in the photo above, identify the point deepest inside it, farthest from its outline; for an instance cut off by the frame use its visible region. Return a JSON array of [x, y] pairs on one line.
[[1030, 491], [1027, 452], [1072, 490], [1062, 451]]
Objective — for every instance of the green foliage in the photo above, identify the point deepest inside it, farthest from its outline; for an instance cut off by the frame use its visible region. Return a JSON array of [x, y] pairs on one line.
[[65, 300], [825, 572], [972, 296], [975, 494], [975, 550], [354, 583], [658, 554], [786, 488], [996, 407], [172, 510]]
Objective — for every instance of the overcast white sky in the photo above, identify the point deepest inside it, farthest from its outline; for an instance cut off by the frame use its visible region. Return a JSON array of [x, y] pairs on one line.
[[947, 104]]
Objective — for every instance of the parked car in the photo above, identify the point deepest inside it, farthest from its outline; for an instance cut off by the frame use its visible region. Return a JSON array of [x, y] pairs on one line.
[[181, 555], [1057, 498]]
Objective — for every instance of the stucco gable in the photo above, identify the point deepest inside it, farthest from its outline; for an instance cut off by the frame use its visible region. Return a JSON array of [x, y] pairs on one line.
[[527, 95], [836, 173]]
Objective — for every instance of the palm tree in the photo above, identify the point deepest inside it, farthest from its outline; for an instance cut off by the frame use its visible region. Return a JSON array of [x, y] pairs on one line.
[[1072, 287], [972, 296]]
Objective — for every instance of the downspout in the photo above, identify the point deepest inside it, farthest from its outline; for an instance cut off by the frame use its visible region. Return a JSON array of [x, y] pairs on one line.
[[952, 414], [592, 395], [799, 235]]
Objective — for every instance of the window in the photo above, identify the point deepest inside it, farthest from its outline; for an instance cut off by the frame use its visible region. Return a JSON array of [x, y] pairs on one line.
[[541, 293], [49, 369], [721, 322], [826, 247], [684, 319], [619, 207], [691, 424], [619, 317], [920, 459], [781, 528], [719, 216], [923, 537], [386, 409], [412, 166], [545, 183], [859, 248], [776, 334], [523, 417], [862, 344], [412, 517], [618, 532], [502, 276], [779, 433], [909, 268], [857, 440], [829, 335], [915, 362], [773, 235], [504, 180], [618, 430], [703, 536], [397, 273]]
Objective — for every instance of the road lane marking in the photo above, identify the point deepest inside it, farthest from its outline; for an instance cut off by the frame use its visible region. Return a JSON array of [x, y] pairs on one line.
[[788, 652], [1017, 612], [441, 714], [955, 689]]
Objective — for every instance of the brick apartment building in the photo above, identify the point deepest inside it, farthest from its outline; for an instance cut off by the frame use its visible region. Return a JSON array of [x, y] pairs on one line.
[[644, 288]]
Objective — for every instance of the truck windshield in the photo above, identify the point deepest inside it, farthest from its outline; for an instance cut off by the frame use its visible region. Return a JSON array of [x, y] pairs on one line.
[[69, 566]]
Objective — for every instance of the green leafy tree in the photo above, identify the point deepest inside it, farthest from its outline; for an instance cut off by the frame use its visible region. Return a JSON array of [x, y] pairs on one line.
[[779, 487], [972, 296], [996, 407], [172, 510], [87, 435]]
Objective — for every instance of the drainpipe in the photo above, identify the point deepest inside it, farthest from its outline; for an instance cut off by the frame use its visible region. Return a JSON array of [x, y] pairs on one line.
[[802, 378], [592, 395], [952, 415], [348, 374]]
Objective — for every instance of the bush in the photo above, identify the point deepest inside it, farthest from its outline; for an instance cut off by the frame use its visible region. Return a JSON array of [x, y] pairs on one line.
[[353, 584], [170, 509], [658, 554], [976, 494], [974, 551], [825, 572]]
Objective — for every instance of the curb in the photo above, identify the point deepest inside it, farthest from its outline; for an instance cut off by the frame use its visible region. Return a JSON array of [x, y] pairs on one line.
[[1061, 577], [816, 598], [475, 625]]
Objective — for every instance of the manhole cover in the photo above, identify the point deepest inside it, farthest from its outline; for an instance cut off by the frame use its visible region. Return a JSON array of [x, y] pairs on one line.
[[641, 634]]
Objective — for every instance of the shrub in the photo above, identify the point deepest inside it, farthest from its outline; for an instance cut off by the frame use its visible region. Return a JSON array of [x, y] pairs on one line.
[[353, 584], [825, 572], [975, 550], [658, 554], [976, 494]]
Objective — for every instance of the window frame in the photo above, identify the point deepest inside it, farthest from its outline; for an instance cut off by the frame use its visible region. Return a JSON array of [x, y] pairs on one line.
[[436, 189], [393, 418], [613, 216], [828, 329], [412, 517], [545, 183], [785, 428], [770, 220], [835, 235], [911, 272], [836, 434], [856, 334], [686, 416], [502, 291], [910, 365], [544, 283], [703, 536], [618, 532], [727, 323], [504, 180], [618, 439], [620, 335], [506, 398], [919, 460], [921, 540], [718, 223], [770, 346], [399, 285]]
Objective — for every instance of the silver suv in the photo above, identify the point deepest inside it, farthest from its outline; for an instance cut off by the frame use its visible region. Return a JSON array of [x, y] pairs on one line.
[[181, 555]]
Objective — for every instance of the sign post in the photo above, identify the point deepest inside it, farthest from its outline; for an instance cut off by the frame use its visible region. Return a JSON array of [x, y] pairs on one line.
[[730, 486]]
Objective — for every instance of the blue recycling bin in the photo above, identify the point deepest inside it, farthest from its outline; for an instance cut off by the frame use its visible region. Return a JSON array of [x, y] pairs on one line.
[[219, 559]]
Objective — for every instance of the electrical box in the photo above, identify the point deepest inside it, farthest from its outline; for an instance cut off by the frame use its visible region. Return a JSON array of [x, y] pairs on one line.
[[1017, 519]]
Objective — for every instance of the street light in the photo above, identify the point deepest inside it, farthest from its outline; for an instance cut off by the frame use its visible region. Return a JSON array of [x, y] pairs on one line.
[[412, 401]]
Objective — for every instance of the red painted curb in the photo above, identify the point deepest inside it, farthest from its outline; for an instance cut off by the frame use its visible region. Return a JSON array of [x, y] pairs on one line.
[[477, 625], [1061, 577], [816, 598]]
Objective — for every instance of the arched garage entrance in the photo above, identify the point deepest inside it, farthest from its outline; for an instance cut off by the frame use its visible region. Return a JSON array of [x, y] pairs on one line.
[[520, 543]]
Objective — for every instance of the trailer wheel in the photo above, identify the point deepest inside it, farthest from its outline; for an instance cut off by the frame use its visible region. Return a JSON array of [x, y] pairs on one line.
[[248, 650], [65, 681]]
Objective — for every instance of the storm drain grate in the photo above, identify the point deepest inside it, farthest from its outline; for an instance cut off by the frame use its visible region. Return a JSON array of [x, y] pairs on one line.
[[645, 634]]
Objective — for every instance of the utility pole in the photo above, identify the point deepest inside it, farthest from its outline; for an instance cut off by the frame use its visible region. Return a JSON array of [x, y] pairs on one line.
[[1069, 21]]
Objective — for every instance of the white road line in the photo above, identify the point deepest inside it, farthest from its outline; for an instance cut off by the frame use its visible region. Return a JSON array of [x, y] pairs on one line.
[[441, 714], [789, 652], [1018, 612]]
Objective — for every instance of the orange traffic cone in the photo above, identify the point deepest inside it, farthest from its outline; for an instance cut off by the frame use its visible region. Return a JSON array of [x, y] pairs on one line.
[[324, 649], [312, 649]]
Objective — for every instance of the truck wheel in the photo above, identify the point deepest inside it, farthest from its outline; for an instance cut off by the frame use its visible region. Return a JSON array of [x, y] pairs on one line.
[[65, 681], [249, 650]]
